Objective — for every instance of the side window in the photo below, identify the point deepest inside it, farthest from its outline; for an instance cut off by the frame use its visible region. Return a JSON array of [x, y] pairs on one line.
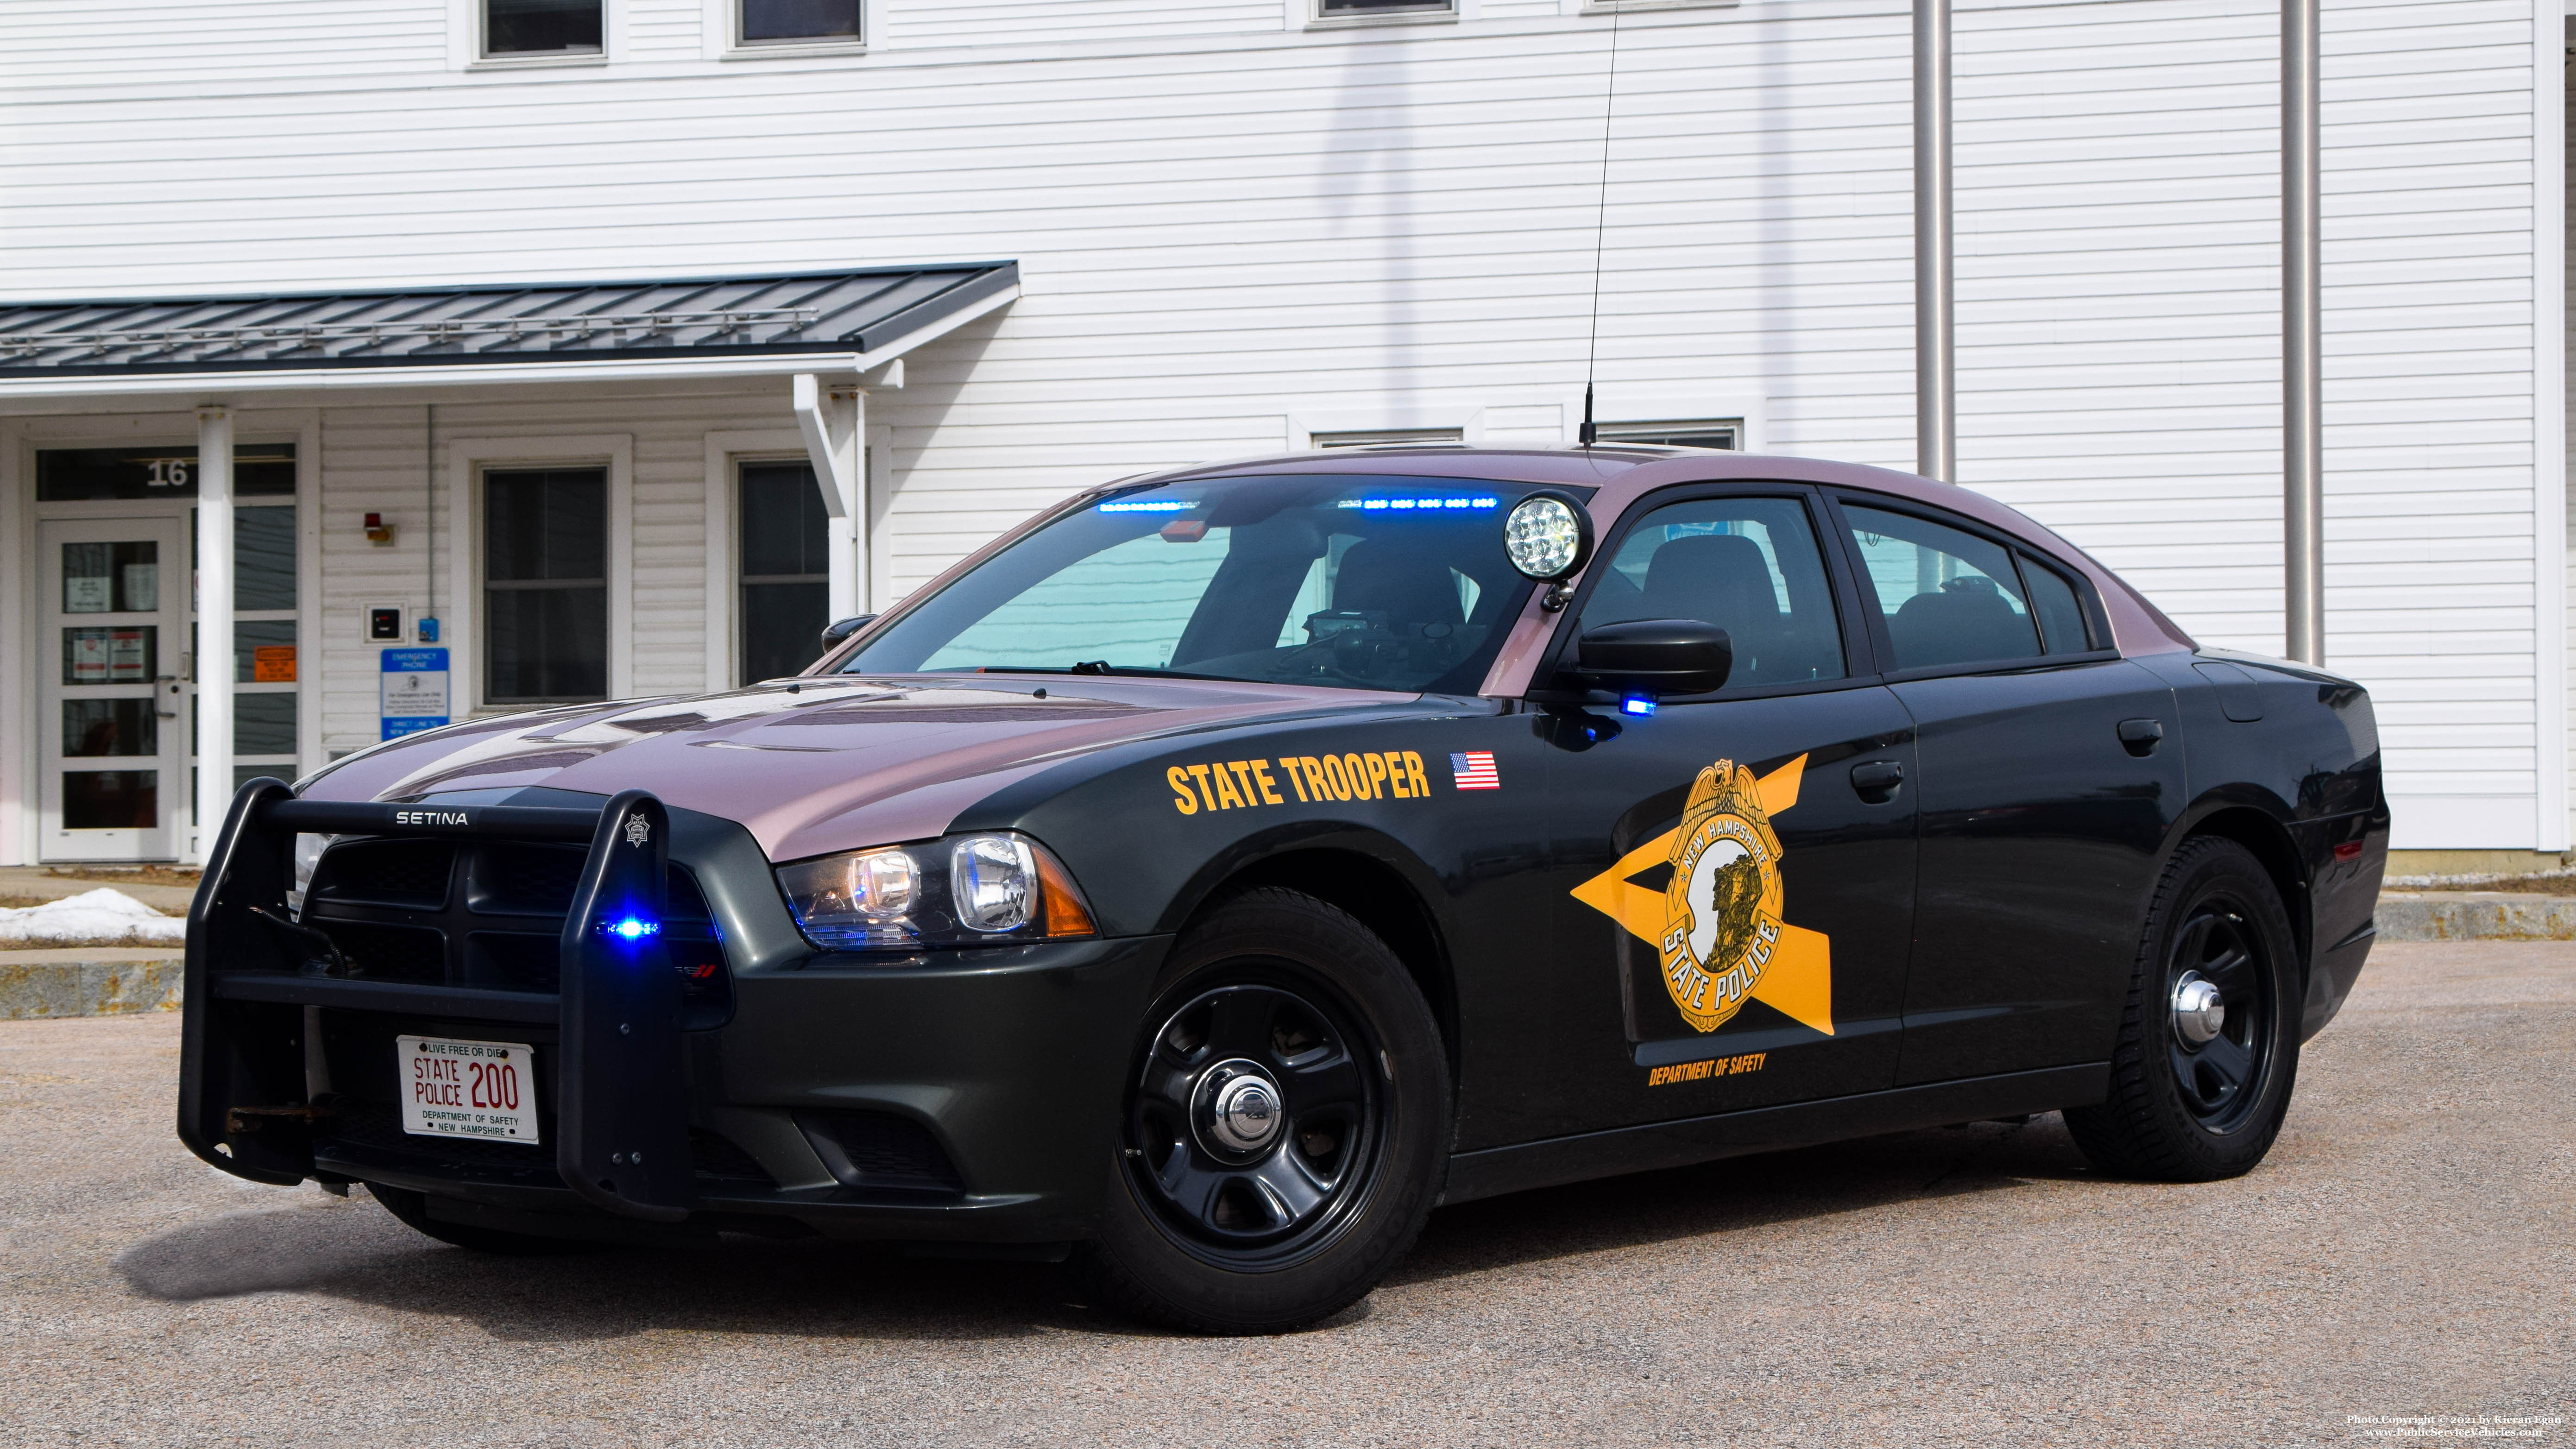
[[1749, 566], [1950, 596], [2061, 615]]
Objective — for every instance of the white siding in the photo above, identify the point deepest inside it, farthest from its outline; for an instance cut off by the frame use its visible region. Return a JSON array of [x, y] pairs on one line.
[[147, 48], [1231, 236]]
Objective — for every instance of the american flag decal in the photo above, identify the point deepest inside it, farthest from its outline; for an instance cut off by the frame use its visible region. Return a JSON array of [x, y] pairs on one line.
[[1474, 770]]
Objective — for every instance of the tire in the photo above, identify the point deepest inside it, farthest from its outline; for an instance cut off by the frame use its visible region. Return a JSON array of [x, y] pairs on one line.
[[1208, 1225], [413, 1209], [2181, 1109]]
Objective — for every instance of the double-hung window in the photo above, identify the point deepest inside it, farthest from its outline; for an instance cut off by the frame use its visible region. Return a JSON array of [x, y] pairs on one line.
[[545, 585], [514, 28], [1374, 9], [761, 23], [1727, 433], [785, 570]]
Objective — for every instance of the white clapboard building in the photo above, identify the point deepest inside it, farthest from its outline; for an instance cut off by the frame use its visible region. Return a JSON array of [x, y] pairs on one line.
[[554, 334]]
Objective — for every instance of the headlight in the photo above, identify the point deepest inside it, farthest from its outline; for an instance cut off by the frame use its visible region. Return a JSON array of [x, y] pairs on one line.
[[308, 854], [969, 891]]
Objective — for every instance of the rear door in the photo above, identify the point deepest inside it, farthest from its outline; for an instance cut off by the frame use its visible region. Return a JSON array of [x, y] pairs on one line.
[[2050, 770], [1731, 874]]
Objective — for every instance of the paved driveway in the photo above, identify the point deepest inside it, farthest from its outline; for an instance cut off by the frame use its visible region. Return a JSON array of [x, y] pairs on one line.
[[2408, 1250]]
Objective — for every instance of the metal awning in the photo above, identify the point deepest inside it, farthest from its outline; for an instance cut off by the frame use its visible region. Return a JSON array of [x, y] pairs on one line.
[[796, 322]]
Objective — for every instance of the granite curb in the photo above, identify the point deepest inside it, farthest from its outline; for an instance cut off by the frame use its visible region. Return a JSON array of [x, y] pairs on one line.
[[2475, 916], [37, 985]]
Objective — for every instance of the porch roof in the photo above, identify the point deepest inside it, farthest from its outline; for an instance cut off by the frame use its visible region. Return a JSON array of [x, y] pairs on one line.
[[771, 323]]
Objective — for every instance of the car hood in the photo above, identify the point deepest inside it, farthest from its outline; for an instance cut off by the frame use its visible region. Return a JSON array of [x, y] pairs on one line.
[[812, 766]]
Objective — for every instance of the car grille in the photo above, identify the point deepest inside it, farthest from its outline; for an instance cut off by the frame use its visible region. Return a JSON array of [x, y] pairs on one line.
[[489, 914]]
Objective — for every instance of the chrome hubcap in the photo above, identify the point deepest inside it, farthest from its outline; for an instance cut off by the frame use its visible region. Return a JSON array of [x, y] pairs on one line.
[[2198, 1010], [1239, 1109]]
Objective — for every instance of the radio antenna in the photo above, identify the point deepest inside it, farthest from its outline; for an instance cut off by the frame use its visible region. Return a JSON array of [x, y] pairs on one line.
[[1600, 224]]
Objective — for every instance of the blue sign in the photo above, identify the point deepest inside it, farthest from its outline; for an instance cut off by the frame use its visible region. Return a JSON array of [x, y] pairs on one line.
[[414, 691]]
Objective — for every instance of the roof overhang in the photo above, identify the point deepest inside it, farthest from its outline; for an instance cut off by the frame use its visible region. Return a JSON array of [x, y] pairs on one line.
[[830, 324]]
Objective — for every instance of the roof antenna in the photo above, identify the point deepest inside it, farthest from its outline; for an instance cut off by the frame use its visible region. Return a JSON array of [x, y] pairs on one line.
[[1600, 225]]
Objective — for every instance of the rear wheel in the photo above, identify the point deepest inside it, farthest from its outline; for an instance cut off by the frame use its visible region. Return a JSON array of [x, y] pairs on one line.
[[1286, 1127], [2209, 1048], [413, 1209]]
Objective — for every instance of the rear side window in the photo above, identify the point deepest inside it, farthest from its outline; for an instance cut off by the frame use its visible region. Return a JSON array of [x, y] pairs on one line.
[[1749, 566], [1950, 596], [2052, 599]]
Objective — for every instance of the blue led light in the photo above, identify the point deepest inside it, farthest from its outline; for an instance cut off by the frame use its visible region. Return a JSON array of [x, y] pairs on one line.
[[632, 928], [1380, 505], [1637, 704], [1156, 505]]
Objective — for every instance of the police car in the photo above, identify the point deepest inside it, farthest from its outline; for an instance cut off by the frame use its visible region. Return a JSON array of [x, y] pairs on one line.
[[1210, 877]]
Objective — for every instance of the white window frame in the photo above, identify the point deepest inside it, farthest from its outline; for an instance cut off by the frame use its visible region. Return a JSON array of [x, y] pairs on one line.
[[1621, 404], [723, 32], [465, 41], [1309, 15], [468, 459], [1605, 7], [726, 453], [1304, 426], [1609, 429]]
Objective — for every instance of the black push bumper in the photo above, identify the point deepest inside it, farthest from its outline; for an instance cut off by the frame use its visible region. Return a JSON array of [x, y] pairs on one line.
[[967, 1096]]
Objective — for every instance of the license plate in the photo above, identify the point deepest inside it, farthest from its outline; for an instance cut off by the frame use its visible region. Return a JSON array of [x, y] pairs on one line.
[[485, 1089]]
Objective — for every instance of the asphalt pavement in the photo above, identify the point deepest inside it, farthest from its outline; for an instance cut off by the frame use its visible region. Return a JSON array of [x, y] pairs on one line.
[[2407, 1251]]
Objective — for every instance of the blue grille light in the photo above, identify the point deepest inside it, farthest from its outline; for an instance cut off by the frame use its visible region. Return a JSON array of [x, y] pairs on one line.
[[1637, 704], [632, 928]]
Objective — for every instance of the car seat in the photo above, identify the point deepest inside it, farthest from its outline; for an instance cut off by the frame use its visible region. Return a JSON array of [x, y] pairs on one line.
[[1966, 620], [1722, 579]]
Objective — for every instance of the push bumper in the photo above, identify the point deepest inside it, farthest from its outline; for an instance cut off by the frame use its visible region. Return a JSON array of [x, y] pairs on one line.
[[967, 1096]]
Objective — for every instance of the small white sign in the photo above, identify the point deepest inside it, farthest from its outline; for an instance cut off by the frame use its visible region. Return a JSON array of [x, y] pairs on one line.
[[485, 1089]]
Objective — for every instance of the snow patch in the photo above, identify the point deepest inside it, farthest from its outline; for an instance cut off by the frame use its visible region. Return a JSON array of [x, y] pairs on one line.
[[102, 916]]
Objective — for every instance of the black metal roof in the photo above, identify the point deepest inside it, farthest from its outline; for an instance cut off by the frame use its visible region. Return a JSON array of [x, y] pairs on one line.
[[702, 317]]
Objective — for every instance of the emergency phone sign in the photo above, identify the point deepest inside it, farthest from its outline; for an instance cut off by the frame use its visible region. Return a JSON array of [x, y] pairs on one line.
[[414, 692]]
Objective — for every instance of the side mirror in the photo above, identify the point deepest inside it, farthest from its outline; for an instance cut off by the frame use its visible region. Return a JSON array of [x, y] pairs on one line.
[[840, 629], [1656, 656]]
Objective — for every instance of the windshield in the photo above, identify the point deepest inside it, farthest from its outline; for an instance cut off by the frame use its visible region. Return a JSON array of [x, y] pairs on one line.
[[1352, 581]]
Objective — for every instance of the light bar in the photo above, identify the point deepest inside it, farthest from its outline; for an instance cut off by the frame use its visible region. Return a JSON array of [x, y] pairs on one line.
[[1374, 505], [1158, 505]]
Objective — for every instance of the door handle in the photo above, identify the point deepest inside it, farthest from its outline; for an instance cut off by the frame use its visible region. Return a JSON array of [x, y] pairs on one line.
[[1877, 779], [2141, 736]]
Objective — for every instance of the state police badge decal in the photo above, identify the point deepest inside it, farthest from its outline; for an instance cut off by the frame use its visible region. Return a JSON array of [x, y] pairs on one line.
[[1722, 909], [1715, 924]]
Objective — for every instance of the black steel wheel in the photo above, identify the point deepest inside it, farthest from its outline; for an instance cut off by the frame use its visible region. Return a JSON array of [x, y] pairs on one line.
[[1286, 1127], [2208, 1049], [1255, 1118], [2220, 993]]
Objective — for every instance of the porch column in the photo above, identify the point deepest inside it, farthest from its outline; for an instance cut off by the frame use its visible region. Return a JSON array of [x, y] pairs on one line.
[[832, 421], [214, 644]]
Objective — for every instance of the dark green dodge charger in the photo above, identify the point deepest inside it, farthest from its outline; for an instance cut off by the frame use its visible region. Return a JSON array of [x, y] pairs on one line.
[[1209, 878]]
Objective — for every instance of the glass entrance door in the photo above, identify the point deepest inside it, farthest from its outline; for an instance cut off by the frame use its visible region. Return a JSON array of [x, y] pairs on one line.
[[113, 739]]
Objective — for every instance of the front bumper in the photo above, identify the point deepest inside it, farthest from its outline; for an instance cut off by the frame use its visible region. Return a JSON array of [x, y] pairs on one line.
[[966, 1096]]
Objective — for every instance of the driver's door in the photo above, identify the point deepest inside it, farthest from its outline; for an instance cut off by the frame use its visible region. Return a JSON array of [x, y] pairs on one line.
[[1733, 874]]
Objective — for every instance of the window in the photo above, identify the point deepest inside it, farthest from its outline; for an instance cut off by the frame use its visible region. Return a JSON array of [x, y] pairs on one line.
[[541, 27], [798, 22], [785, 570], [1366, 9], [1950, 597], [1345, 581], [1389, 438], [1748, 565], [2061, 615], [1727, 433], [545, 585]]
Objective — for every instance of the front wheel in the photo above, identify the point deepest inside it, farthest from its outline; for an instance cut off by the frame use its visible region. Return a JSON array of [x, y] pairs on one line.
[[1286, 1127], [2209, 1045]]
